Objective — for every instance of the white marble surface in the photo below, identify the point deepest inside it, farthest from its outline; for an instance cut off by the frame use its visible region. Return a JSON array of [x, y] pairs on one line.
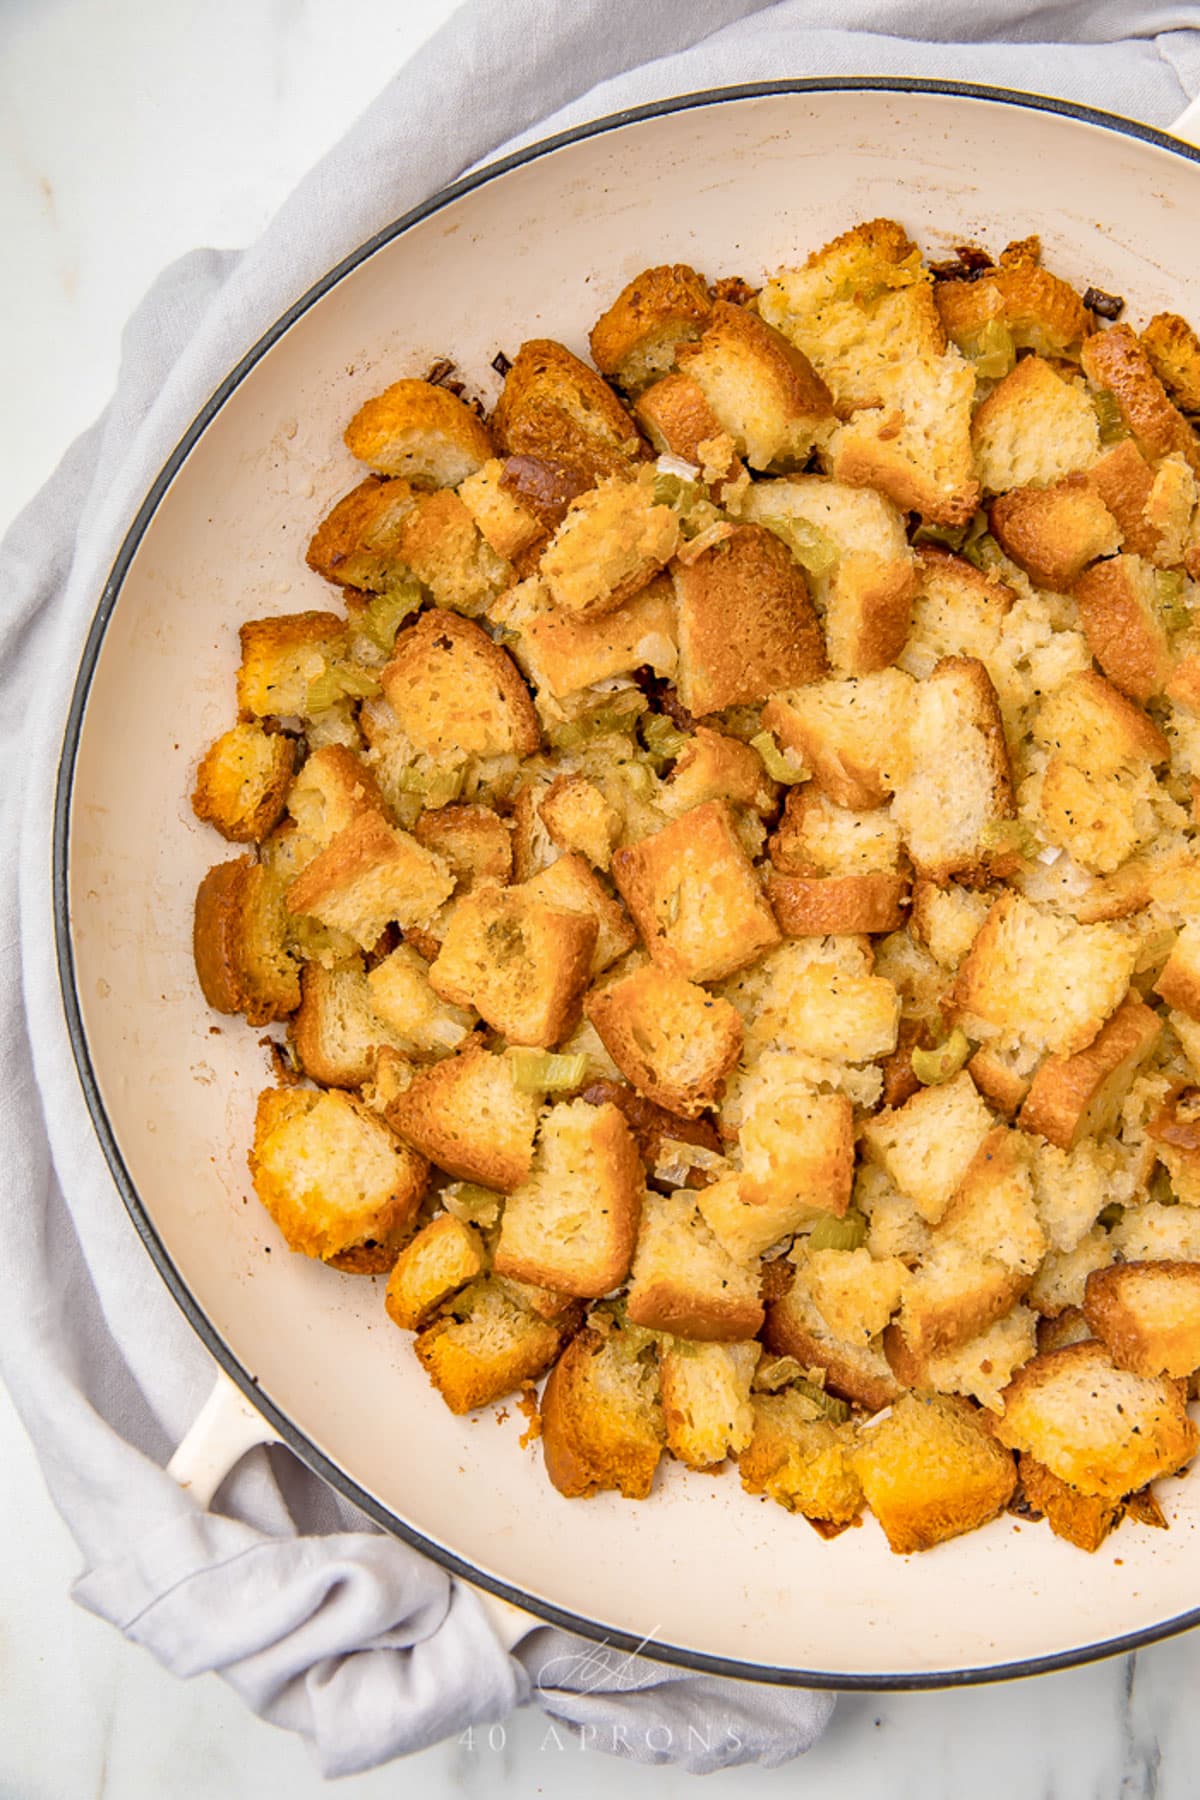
[[131, 134]]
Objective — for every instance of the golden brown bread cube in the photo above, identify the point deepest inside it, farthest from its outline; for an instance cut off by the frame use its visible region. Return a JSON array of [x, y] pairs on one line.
[[694, 896], [673, 1040], [634, 339], [1104, 1430], [683, 1282], [1179, 982], [1042, 312], [712, 766], [612, 542], [357, 545], [1122, 620], [443, 1257], [1148, 1315], [1174, 352], [841, 905], [281, 658], [485, 1344], [1053, 533], [1037, 426], [569, 883], [332, 790], [420, 431], [766, 393], [500, 516], [439, 542], [746, 623], [1072, 1097], [578, 817], [796, 1327], [338, 1183], [240, 943], [336, 1031], [419, 1022], [930, 1471], [959, 787], [1116, 361], [602, 1424], [371, 875], [928, 1144], [1084, 1520], [554, 406], [455, 692], [1124, 480], [706, 1399], [801, 1460], [678, 420], [853, 733], [916, 446], [572, 1223], [521, 963], [564, 653], [242, 782], [474, 840], [467, 1115]]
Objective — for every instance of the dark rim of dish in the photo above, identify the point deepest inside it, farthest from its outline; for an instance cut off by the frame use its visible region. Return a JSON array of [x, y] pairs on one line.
[[289, 1432]]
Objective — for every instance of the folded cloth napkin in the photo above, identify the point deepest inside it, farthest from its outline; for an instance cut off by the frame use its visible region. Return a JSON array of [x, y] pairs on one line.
[[325, 1625]]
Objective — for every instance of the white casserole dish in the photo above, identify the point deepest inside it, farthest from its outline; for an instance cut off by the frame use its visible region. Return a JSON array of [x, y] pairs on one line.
[[738, 181]]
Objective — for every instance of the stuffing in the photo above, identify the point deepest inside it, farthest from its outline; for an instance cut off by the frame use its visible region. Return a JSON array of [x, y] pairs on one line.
[[764, 391], [421, 432], [572, 1223], [1035, 428], [457, 693], [672, 1039], [930, 1472], [611, 543], [520, 961], [635, 339], [242, 782]]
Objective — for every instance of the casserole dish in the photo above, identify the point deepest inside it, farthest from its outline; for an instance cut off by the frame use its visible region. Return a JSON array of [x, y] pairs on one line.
[[735, 181]]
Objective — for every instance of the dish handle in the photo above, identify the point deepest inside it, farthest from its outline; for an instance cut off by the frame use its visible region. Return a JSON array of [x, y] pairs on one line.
[[1187, 125], [227, 1425]]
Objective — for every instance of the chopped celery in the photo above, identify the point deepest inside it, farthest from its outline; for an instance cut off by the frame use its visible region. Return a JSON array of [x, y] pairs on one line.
[[781, 765], [387, 612], [620, 714], [983, 552], [946, 537], [675, 490], [1011, 834], [638, 777], [812, 548], [340, 681], [435, 787], [544, 1072], [662, 737], [932, 1067], [1108, 417], [991, 350], [774, 1372], [834, 1409], [846, 1233], [1172, 598], [471, 1204]]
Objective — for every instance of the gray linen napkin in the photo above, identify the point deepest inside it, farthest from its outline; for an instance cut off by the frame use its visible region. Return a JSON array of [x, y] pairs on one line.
[[326, 1626]]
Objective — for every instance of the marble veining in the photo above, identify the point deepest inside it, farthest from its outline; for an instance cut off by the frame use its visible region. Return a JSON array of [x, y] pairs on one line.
[[142, 145]]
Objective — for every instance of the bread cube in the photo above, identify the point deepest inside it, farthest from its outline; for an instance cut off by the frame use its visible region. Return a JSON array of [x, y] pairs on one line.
[[602, 1422], [1095, 727], [569, 883], [1042, 312], [1106, 1431], [853, 734], [801, 1460], [337, 1182], [1179, 982], [1148, 1315], [577, 817], [947, 920], [1072, 1187], [1174, 352], [1073, 1097], [371, 875], [1037, 976], [712, 766], [1116, 361], [930, 1472], [281, 658], [572, 1224], [1122, 620], [683, 1282], [467, 1115], [928, 1144], [1061, 1281], [418, 1021], [438, 541], [1035, 428], [764, 391], [554, 406], [475, 842], [1084, 1520], [858, 1372], [486, 1344], [747, 1224], [980, 1368], [457, 693], [634, 339], [505, 523], [419, 431], [866, 596], [694, 896], [242, 782], [443, 1257], [612, 542], [746, 624], [674, 1041], [861, 307], [565, 653], [677, 418], [915, 446], [959, 786], [818, 837], [706, 1399], [1124, 481], [854, 1292], [813, 906], [333, 790], [357, 545], [1053, 533], [993, 1214], [240, 943], [520, 962], [336, 1030], [1153, 1232]]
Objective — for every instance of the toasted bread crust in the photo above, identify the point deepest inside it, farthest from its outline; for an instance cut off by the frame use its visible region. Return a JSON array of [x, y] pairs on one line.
[[357, 545], [837, 905], [931, 1472], [1084, 1520], [775, 420], [242, 782], [1054, 533], [465, 1115], [587, 1442], [1123, 479], [521, 963], [473, 1365], [1114, 359], [678, 419], [1075, 1096], [553, 405], [441, 1259], [419, 431], [1174, 352], [659, 308], [1148, 1314], [672, 1040], [1123, 626], [746, 623], [793, 1328], [492, 714], [216, 934], [280, 657]]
